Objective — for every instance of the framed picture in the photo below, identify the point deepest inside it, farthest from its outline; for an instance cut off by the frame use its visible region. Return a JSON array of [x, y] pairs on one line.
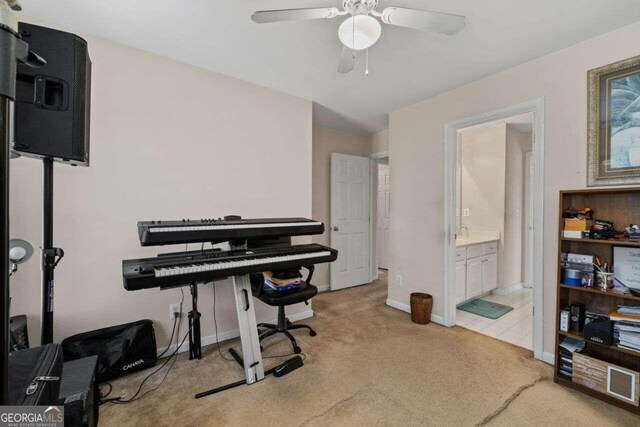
[[614, 124], [626, 267]]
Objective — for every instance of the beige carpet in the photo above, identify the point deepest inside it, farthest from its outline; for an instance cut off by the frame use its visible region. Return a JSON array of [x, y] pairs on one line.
[[369, 365]]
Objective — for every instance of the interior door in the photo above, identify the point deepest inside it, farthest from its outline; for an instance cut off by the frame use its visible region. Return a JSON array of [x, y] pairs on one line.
[[350, 220], [528, 221], [383, 217]]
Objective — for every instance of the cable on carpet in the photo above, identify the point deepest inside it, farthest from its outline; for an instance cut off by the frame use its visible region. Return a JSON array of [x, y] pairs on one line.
[[172, 359], [119, 400], [173, 330]]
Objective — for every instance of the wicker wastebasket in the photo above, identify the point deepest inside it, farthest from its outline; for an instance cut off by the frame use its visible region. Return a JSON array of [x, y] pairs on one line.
[[421, 305]]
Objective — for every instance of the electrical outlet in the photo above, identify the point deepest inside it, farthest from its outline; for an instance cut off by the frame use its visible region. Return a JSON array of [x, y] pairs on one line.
[[465, 212], [399, 279], [174, 311]]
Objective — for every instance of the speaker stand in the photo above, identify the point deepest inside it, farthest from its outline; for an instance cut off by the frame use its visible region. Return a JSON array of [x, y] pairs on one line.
[[195, 346], [12, 50], [51, 256], [4, 249]]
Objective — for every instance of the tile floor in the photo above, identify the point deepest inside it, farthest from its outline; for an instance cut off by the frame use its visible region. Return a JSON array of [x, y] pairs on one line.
[[515, 327]]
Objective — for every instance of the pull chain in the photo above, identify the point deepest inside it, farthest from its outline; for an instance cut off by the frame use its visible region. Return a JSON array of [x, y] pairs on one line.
[[366, 71]]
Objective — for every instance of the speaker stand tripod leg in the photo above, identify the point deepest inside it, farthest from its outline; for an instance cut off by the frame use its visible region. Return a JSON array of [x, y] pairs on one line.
[[195, 345]]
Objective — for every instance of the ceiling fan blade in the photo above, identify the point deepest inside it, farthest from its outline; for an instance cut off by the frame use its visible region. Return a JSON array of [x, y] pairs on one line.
[[445, 23], [347, 60], [266, 16]]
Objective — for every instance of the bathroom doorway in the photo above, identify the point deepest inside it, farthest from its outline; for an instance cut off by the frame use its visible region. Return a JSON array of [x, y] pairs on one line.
[[493, 164]]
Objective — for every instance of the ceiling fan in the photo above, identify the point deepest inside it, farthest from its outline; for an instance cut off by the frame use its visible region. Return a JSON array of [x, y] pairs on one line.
[[362, 30]]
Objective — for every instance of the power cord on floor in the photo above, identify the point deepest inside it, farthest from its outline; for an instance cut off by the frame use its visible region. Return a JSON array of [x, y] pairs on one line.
[[103, 395], [172, 358], [173, 331]]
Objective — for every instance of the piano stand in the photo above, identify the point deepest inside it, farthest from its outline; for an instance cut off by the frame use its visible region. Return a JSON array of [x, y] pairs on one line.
[[195, 346], [237, 357], [251, 359], [240, 361]]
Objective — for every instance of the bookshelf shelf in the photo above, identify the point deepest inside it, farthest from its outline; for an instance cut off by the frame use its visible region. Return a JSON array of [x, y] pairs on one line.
[[580, 336], [622, 207], [610, 293], [628, 243]]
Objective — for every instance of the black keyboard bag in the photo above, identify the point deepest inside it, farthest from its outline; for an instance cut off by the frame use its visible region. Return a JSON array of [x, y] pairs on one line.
[[27, 371], [120, 349]]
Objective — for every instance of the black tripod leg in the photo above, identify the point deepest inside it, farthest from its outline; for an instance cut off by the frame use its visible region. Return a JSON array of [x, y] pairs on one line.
[[195, 344], [191, 343], [196, 336]]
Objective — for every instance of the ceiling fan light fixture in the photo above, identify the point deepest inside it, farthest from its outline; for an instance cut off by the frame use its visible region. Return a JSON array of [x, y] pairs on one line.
[[359, 32]]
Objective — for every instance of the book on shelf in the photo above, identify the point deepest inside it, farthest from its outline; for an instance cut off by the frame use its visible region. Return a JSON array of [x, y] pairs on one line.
[[575, 224], [572, 234], [627, 333], [629, 309], [617, 316], [636, 349], [572, 345]]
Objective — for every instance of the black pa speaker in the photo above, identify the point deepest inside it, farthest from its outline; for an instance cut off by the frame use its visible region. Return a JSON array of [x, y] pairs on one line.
[[52, 104]]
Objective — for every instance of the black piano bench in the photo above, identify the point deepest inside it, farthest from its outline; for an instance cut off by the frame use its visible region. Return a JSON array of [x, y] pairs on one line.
[[281, 300]]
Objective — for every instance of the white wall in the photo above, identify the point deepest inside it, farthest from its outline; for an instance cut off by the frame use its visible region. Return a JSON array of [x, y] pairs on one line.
[[379, 141], [512, 256], [482, 179], [417, 158], [168, 140]]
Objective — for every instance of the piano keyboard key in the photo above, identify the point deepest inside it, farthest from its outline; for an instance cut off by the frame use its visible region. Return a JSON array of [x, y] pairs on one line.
[[214, 266]]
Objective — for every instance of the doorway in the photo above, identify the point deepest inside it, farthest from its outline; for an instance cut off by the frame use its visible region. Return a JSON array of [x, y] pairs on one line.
[[483, 265], [383, 210]]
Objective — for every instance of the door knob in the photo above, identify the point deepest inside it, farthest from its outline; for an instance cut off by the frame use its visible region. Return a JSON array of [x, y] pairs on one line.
[[335, 228]]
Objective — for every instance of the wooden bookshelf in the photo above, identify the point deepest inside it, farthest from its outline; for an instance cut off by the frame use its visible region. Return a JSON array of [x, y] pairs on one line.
[[605, 294], [612, 242], [622, 207], [613, 347]]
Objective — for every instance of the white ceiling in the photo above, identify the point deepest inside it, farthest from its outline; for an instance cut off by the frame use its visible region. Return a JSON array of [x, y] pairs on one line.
[[300, 58]]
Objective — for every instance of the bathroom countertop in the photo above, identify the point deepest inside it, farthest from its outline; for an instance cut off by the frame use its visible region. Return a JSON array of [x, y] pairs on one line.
[[466, 241]]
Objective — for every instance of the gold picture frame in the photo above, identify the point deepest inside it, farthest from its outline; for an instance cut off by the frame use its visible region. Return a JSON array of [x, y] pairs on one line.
[[614, 124]]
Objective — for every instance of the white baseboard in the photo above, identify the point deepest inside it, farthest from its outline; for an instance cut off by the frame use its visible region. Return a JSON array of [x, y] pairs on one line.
[[227, 335], [508, 289], [407, 309], [399, 306], [548, 358], [323, 288]]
